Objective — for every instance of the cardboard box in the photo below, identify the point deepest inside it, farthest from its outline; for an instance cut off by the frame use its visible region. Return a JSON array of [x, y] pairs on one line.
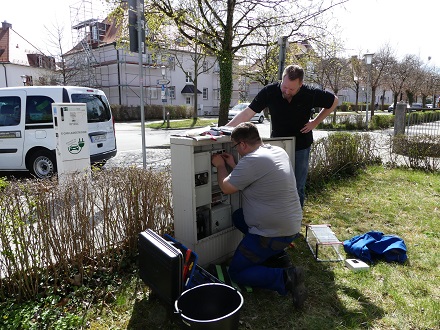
[[356, 265]]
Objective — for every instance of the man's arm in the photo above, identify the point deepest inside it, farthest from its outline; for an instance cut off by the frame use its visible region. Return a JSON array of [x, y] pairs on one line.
[[320, 117], [222, 175], [223, 181], [242, 117]]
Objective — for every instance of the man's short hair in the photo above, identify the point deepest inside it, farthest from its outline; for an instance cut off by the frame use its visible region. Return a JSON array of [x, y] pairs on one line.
[[246, 132], [294, 72]]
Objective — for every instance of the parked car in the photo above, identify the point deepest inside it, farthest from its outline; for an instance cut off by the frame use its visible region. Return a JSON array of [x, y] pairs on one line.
[[391, 107], [416, 106], [429, 106], [259, 117]]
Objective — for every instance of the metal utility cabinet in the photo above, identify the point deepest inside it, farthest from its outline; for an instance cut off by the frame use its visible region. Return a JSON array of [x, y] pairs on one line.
[[202, 213]]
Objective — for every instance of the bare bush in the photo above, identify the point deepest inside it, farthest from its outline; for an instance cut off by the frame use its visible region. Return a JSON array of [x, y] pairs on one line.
[[51, 232]]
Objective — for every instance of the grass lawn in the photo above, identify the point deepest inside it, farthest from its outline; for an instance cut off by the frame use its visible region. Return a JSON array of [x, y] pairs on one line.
[[184, 123], [387, 296]]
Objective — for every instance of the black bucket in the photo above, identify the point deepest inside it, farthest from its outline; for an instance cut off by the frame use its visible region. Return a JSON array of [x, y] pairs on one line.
[[210, 306]]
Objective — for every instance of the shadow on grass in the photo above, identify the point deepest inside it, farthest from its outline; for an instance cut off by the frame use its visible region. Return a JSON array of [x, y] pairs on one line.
[[264, 309], [153, 313], [323, 309]]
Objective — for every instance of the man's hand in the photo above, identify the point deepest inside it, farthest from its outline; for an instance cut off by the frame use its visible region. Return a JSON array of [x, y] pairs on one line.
[[310, 126], [229, 159], [217, 160]]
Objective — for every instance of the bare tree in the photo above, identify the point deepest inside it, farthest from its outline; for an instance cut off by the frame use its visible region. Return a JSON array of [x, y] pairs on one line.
[[56, 43], [428, 85], [227, 26], [355, 76], [165, 40], [262, 61], [380, 64], [199, 64], [414, 79]]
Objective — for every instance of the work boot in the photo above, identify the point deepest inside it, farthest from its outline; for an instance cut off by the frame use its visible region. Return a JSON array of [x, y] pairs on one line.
[[281, 260], [295, 285]]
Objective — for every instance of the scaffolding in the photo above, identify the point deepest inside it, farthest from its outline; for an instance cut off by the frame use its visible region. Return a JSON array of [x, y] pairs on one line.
[[88, 33], [97, 61]]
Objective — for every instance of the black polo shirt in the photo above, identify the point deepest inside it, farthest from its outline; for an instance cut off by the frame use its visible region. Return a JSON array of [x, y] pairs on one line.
[[288, 118]]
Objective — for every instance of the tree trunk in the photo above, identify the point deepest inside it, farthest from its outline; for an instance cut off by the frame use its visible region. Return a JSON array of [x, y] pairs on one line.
[[196, 96], [382, 100], [373, 97], [334, 111], [357, 98], [225, 63]]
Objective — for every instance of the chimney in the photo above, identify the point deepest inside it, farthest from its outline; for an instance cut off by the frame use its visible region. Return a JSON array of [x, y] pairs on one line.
[[6, 25]]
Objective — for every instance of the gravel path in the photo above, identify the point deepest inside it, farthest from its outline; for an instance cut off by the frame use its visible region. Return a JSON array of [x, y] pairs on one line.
[[156, 158]]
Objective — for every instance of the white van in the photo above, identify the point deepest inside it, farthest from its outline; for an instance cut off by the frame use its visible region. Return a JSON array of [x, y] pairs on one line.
[[27, 137]]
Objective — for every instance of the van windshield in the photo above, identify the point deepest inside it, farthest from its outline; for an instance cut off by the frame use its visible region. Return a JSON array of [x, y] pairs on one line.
[[98, 109]]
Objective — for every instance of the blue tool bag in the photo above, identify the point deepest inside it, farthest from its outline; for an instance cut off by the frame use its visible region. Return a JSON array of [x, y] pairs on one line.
[[374, 245]]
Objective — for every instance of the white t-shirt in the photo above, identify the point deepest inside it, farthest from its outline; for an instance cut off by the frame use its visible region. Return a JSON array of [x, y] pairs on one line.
[[270, 199]]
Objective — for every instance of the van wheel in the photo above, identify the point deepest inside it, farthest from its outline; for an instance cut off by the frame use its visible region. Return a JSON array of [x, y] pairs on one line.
[[42, 164]]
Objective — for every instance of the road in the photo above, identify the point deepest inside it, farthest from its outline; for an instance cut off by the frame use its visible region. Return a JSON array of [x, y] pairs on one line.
[[129, 138], [157, 141], [128, 135]]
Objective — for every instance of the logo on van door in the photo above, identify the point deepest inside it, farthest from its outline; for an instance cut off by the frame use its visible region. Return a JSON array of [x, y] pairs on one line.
[[75, 147]]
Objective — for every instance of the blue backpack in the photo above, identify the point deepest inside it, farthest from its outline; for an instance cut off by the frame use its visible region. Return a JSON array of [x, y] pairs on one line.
[[375, 245]]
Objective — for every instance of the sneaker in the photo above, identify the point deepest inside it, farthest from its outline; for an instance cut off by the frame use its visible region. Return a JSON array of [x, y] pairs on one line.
[[295, 285]]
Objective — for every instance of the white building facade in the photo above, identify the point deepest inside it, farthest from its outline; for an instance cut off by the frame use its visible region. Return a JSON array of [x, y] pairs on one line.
[[98, 60], [20, 62]]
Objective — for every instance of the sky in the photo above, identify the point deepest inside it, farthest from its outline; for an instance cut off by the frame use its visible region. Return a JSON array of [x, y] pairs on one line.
[[409, 26], [30, 18]]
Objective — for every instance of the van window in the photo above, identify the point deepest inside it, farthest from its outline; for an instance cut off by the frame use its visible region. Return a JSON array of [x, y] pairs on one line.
[[38, 109], [98, 109], [10, 111]]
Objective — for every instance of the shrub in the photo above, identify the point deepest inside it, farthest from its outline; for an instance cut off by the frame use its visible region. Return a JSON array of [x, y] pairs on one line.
[[419, 151], [345, 106], [344, 121], [381, 122], [3, 183], [340, 154], [152, 111], [53, 234]]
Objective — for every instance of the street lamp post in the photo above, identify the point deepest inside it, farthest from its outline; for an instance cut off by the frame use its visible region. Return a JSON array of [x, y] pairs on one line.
[[368, 59], [163, 94], [140, 24], [283, 42]]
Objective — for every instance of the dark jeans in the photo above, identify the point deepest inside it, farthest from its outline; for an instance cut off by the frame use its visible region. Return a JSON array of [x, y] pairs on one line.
[[301, 171], [246, 266]]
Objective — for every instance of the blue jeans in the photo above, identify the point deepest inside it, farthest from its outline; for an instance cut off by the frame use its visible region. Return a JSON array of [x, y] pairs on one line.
[[301, 171], [246, 265]]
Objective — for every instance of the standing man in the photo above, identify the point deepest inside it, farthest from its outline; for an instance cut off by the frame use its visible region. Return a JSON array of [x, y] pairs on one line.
[[271, 215], [290, 106]]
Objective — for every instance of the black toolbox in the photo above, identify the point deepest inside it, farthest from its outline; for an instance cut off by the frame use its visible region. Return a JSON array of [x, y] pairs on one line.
[[168, 267], [160, 266]]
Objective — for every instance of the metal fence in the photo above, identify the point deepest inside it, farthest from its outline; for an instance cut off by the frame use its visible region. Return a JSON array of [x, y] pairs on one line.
[[423, 123]]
